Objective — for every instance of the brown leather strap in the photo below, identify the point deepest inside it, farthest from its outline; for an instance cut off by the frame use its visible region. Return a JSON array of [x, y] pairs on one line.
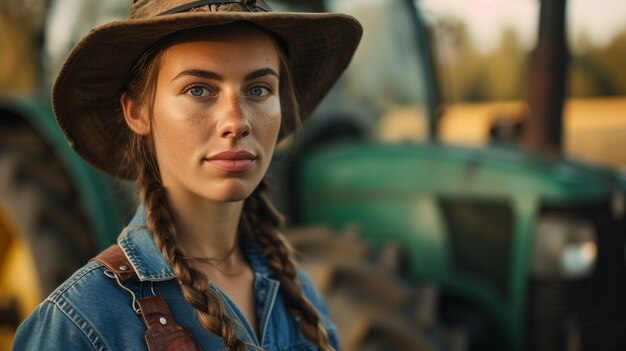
[[116, 261], [163, 333]]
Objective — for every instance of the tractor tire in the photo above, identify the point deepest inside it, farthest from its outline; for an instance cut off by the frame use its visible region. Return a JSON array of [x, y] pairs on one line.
[[373, 307], [43, 230]]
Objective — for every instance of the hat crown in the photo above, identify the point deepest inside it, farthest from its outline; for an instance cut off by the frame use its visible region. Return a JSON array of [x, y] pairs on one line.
[[152, 8]]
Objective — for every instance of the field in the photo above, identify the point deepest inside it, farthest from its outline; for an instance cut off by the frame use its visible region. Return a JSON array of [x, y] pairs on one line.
[[594, 128]]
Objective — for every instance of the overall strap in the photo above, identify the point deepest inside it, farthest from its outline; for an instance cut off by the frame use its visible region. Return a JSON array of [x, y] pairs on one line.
[[116, 261], [163, 333]]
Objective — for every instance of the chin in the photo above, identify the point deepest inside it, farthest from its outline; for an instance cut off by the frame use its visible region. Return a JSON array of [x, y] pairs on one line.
[[233, 198], [233, 191]]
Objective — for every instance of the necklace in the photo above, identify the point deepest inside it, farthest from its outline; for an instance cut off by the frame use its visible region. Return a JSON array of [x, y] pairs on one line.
[[216, 262], [210, 262]]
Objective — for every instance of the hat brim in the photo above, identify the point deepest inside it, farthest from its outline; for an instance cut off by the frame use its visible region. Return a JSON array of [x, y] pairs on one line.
[[85, 95]]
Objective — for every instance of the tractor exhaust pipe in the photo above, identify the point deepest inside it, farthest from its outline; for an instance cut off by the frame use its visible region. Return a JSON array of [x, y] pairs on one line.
[[543, 131]]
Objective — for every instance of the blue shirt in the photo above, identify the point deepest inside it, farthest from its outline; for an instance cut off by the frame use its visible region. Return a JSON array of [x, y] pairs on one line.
[[90, 311]]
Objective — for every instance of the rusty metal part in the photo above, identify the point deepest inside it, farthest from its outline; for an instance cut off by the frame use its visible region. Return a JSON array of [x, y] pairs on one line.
[[373, 307]]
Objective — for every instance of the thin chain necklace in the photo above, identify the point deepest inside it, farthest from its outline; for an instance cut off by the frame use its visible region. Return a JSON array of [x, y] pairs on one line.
[[216, 262]]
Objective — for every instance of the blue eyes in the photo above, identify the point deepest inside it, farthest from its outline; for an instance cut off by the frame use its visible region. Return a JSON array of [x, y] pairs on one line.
[[258, 91], [198, 91], [255, 91]]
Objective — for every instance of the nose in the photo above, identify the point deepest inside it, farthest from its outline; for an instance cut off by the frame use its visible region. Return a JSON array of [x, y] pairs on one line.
[[233, 122]]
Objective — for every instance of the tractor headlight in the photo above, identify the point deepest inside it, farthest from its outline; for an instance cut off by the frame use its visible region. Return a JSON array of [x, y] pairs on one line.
[[564, 248]]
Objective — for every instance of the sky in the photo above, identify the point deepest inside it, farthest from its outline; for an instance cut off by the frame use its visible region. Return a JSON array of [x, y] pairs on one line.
[[599, 19]]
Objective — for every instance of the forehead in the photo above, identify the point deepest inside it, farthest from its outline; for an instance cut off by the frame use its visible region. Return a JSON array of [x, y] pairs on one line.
[[228, 42]]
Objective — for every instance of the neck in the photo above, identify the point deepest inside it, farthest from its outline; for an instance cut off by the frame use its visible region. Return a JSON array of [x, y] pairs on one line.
[[206, 229]]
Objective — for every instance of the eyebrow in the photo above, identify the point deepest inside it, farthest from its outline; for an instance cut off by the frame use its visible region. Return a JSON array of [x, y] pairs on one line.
[[262, 72], [199, 73], [215, 76]]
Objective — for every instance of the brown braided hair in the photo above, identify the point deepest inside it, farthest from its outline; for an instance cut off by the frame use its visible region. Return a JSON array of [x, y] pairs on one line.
[[262, 220], [259, 219]]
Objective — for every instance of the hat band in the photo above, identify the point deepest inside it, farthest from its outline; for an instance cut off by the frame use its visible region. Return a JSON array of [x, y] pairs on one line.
[[251, 5]]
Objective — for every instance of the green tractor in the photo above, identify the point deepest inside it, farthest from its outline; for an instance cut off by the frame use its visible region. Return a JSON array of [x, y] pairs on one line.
[[526, 249], [444, 247]]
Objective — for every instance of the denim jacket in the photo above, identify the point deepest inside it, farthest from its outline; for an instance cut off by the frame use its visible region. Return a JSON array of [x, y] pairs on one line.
[[90, 311]]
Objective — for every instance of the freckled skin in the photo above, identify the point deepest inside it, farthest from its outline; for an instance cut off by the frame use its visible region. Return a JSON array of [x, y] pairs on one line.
[[196, 116]]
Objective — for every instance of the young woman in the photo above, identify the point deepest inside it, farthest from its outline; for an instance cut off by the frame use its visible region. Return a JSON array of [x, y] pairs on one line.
[[189, 99]]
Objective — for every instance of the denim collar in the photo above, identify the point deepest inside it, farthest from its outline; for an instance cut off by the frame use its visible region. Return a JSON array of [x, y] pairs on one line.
[[150, 265]]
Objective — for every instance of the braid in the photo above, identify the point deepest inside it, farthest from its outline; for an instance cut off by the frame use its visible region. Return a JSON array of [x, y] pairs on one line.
[[263, 221], [194, 284]]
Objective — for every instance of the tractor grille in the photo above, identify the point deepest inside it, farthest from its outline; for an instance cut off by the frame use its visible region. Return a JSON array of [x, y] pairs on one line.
[[589, 314], [481, 234]]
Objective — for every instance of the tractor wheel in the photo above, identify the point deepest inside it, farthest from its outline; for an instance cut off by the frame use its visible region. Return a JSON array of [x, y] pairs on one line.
[[373, 307], [43, 231]]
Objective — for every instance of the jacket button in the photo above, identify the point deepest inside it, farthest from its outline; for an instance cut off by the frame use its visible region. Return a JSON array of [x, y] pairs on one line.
[[163, 321]]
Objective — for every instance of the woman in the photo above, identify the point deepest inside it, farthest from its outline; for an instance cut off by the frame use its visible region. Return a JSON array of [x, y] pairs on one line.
[[189, 99]]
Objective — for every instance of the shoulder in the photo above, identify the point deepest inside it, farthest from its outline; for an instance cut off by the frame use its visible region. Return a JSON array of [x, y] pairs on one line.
[[82, 277], [72, 317], [58, 322], [86, 286]]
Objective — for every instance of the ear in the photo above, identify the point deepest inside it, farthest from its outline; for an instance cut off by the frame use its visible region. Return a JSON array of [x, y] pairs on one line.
[[136, 118]]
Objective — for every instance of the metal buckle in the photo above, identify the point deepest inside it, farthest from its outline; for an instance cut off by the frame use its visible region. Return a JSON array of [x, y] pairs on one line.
[[251, 5]]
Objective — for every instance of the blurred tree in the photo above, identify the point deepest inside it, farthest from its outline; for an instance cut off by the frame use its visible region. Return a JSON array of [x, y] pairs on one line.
[[504, 70], [20, 25], [459, 65], [467, 75], [599, 70], [17, 63]]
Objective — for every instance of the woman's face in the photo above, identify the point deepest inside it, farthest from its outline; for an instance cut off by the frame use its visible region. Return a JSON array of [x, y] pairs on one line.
[[216, 113]]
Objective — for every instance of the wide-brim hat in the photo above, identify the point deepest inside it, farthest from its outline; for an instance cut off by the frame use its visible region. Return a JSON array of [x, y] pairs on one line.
[[86, 93]]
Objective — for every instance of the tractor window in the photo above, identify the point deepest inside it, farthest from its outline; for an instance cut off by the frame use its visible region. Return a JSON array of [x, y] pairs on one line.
[[383, 90]]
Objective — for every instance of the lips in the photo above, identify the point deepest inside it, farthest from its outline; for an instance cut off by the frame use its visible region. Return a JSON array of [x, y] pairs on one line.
[[232, 161]]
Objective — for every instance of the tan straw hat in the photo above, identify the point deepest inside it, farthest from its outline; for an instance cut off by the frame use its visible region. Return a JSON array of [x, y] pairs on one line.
[[86, 93]]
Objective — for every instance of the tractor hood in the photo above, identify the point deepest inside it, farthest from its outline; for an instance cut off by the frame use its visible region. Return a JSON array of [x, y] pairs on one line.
[[446, 170]]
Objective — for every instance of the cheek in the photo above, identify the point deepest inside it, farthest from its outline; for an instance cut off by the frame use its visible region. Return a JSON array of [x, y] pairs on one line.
[[174, 137], [170, 142], [270, 128]]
